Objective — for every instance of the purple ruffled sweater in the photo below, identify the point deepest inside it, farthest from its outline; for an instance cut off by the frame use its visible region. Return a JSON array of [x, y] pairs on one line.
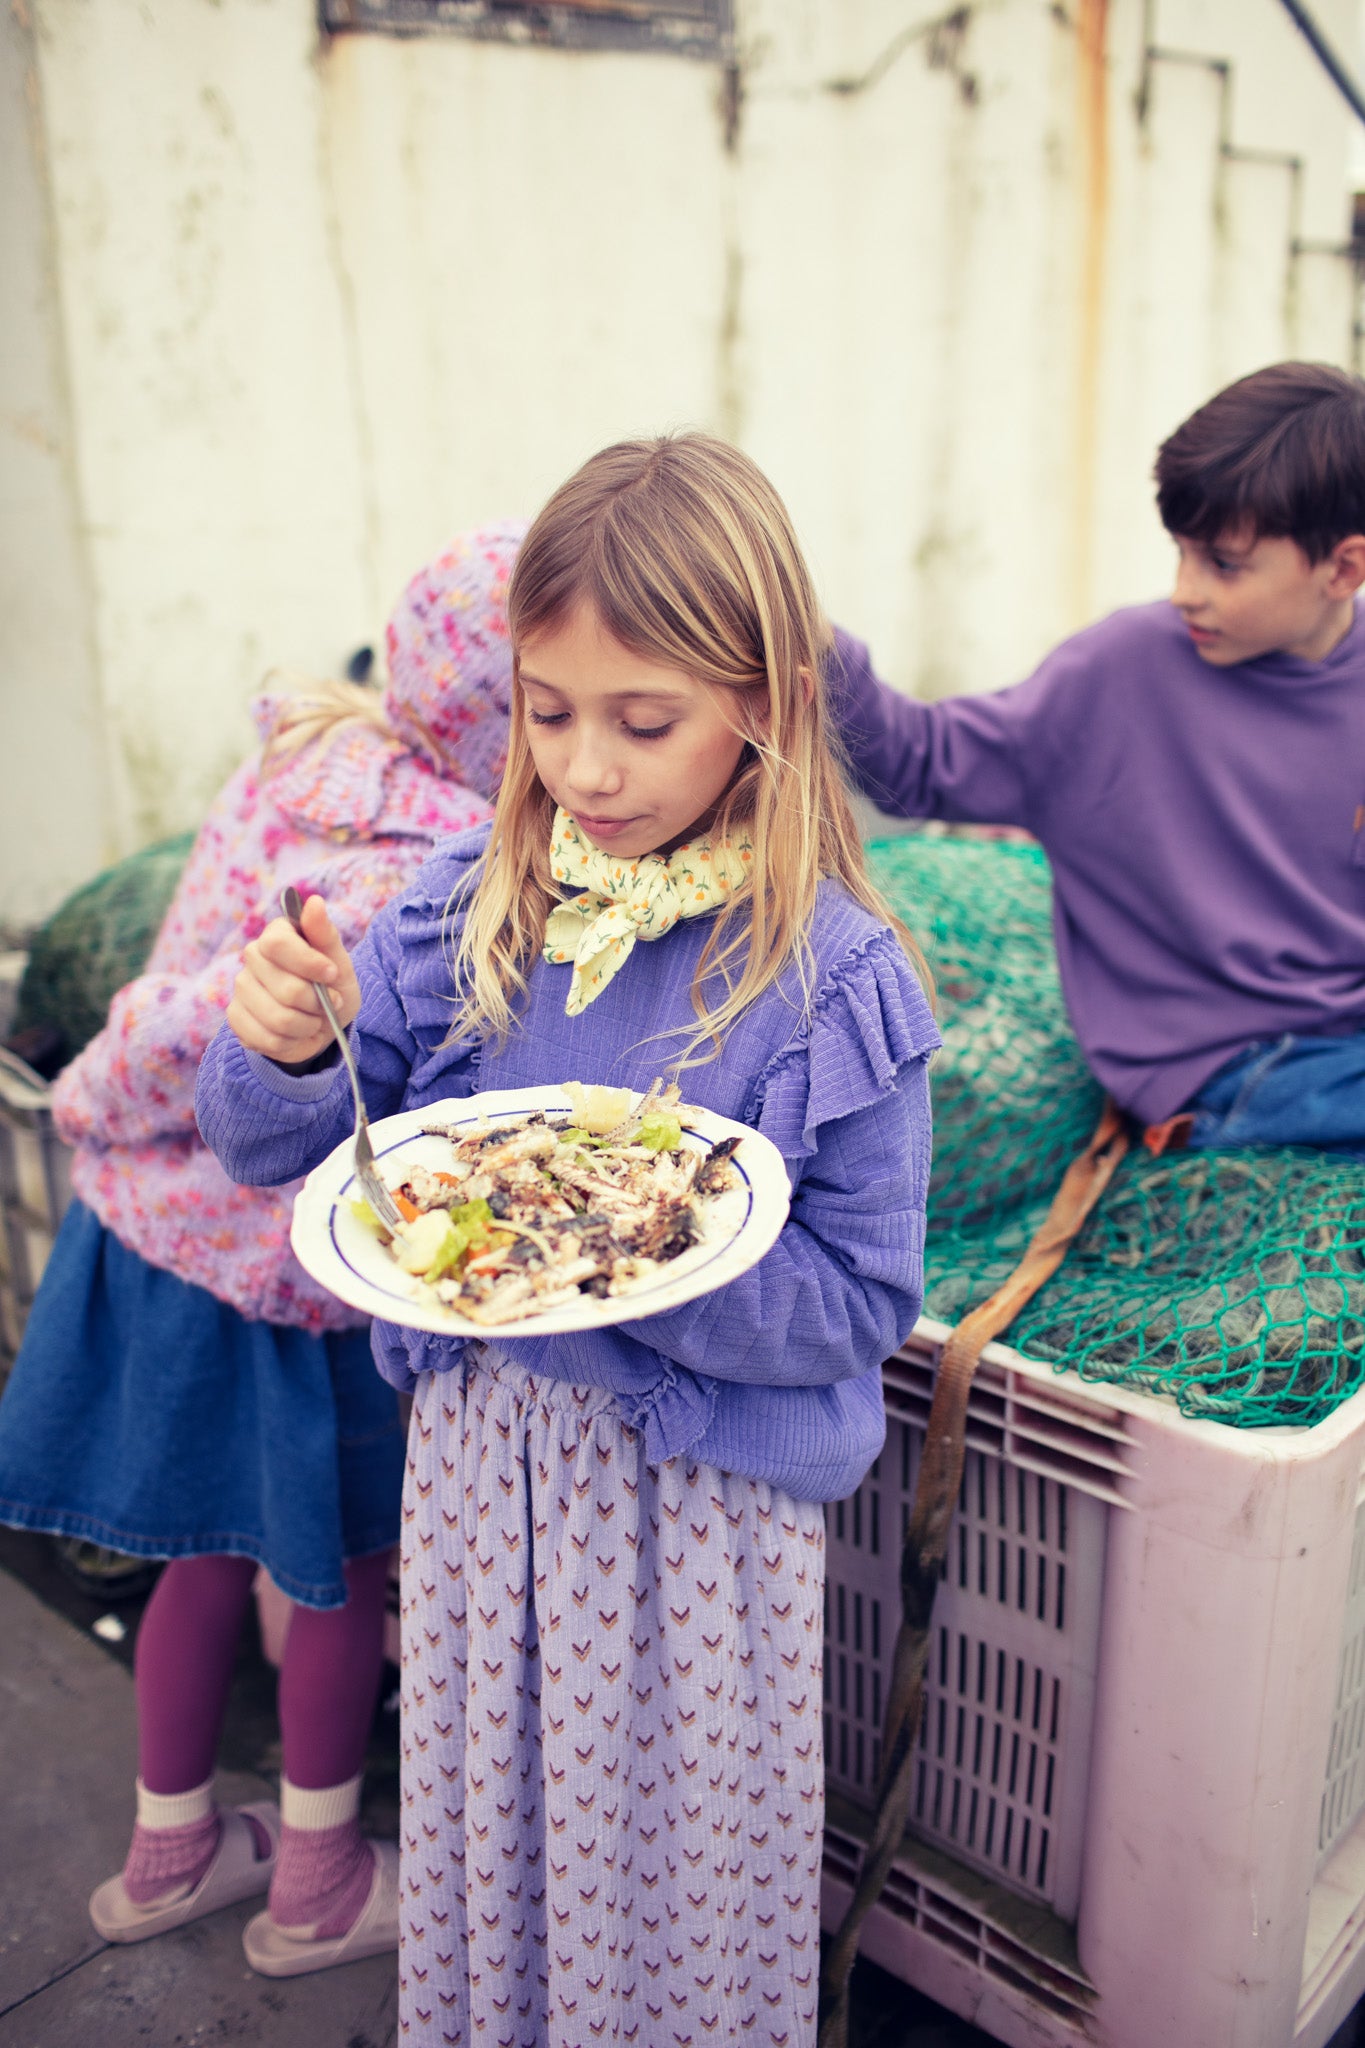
[[777, 1375], [1205, 826]]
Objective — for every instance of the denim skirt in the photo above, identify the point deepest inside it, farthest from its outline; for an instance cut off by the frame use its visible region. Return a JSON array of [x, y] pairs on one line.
[[145, 1414]]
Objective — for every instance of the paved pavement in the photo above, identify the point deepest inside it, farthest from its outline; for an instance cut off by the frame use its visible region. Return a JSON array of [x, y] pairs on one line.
[[67, 1736], [68, 1743]]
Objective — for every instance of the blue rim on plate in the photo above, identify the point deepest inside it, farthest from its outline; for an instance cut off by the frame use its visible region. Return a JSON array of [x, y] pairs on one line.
[[337, 1250]]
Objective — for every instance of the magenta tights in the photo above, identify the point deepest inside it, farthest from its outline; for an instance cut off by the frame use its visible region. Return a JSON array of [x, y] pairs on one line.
[[186, 1651]]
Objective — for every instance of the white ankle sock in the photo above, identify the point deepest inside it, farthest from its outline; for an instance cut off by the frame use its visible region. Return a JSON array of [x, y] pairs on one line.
[[328, 1808], [174, 1809]]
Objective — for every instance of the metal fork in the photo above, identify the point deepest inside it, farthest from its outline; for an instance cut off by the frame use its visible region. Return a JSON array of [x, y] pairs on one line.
[[366, 1172]]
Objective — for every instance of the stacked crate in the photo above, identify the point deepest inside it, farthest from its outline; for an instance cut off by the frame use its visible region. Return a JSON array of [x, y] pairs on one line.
[[34, 1190]]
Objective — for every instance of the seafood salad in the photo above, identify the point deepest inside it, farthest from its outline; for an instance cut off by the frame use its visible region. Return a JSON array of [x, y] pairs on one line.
[[528, 1215]]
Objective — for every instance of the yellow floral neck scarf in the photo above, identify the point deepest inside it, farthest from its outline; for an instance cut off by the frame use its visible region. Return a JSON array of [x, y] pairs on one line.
[[624, 900]]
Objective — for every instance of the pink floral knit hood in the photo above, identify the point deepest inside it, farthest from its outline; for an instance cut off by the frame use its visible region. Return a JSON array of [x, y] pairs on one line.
[[350, 815]]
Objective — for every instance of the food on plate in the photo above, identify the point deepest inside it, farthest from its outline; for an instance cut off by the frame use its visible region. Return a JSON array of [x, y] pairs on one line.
[[598, 1110], [527, 1215]]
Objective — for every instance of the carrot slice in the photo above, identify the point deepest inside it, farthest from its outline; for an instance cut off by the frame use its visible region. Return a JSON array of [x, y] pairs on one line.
[[409, 1211]]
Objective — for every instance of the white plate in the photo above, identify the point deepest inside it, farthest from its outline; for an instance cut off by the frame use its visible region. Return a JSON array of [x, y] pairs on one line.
[[346, 1259]]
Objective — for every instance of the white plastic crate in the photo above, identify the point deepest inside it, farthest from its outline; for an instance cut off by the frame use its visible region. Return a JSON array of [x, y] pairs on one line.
[[1138, 1817], [34, 1191]]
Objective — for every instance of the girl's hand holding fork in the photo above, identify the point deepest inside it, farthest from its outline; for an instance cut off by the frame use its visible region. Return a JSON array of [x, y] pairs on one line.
[[274, 1009]]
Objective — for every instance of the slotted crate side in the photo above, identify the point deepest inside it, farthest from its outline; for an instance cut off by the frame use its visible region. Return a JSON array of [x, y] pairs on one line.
[[1008, 1966], [1223, 1790], [35, 1187], [1221, 1643], [1009, 1694]]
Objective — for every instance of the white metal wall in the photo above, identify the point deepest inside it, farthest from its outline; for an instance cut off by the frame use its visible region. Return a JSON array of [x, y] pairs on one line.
[[280, 318]]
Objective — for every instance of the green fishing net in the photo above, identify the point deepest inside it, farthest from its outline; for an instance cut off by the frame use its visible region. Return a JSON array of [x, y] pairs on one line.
[[95, 942], [1233, 1282]]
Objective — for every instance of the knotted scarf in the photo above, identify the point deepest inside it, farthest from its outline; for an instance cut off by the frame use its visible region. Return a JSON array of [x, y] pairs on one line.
[[628, 899]]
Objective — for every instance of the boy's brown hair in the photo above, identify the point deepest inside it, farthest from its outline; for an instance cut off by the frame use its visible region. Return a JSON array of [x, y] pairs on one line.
[[1280, 453]]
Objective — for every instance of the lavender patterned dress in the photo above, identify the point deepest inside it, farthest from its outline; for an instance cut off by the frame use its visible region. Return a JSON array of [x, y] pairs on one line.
[[613, 1787]]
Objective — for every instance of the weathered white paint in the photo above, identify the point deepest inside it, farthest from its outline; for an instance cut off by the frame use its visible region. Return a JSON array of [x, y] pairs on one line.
[[217, 444], [534, 253], [288, 316], [54, 824]]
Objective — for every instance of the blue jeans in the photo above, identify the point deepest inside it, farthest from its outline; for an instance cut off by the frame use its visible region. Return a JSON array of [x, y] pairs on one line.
[[1293, 1090]]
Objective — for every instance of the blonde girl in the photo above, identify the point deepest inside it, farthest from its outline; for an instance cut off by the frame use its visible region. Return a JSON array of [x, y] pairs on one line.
[[613, 1542]]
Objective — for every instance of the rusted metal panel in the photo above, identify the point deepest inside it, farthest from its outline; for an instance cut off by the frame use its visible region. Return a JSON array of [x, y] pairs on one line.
[[689, 28]]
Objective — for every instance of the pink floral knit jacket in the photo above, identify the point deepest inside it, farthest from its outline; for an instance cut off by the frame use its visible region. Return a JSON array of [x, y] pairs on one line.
[[350, 816]]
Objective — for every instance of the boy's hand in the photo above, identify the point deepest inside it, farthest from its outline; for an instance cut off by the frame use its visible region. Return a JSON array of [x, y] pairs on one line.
[[274, 1009]]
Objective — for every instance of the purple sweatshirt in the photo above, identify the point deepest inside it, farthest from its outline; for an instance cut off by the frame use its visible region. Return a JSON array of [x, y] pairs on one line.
[[1206, 829], [777, 1375]]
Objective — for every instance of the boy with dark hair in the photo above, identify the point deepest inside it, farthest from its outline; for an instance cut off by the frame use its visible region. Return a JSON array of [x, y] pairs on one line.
[[1195, 770]]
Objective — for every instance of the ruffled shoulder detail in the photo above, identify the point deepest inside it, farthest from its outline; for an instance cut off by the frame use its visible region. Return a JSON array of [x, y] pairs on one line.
[[440, 892], [868, 1021], [419, 934]]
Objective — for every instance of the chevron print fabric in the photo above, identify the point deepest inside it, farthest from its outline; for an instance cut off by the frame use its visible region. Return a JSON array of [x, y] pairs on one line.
[[612, 1771]]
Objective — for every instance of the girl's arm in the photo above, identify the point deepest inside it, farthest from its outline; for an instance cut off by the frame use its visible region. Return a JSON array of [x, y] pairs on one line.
[[135, 1080], [848, 1108], [842, 1286]]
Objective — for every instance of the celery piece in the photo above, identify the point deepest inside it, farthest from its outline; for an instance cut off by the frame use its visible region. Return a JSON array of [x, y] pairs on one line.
[[470, 1224], [660, 1131], [365, 1216]]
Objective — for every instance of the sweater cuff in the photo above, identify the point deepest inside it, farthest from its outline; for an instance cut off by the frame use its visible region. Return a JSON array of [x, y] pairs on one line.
[[675, 1413], [314, 1087]]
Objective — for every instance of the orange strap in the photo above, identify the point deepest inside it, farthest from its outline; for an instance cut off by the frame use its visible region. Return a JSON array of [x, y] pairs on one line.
[[1172, 1136]]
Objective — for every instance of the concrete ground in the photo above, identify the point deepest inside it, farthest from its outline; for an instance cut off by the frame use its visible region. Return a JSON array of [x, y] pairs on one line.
[[67, 1734], [68, 1743]]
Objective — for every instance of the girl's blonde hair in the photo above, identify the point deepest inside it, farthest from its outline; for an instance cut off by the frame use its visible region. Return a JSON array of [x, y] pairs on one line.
[[317, 708], [684, 552]]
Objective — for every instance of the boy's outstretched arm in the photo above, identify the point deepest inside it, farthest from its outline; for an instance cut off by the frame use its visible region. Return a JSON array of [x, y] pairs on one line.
[[963, 758]]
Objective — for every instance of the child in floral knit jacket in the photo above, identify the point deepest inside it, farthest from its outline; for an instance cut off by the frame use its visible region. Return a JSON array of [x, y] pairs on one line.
[[184, 1390]]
